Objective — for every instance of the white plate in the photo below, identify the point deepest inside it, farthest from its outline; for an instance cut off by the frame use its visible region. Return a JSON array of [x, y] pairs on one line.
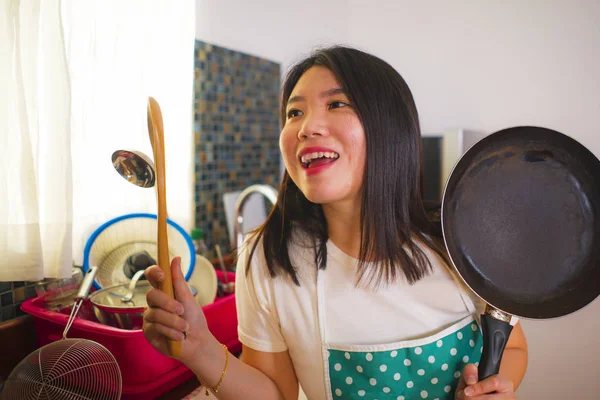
[[204, 280]]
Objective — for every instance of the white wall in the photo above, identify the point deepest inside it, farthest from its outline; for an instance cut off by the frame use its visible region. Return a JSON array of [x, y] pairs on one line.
[[476, 65], [490, 65], [277, 30]]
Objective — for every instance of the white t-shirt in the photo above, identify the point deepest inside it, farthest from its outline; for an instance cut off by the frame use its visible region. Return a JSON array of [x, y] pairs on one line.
[[275, 315]]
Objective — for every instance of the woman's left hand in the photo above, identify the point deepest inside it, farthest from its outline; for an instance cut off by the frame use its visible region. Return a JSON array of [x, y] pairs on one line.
[[495, 387]]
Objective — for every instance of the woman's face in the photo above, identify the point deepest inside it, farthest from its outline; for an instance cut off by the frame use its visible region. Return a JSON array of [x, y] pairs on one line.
[[323, 141]]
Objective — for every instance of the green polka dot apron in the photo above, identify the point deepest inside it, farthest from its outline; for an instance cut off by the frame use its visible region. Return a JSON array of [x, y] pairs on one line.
[[424, 368]]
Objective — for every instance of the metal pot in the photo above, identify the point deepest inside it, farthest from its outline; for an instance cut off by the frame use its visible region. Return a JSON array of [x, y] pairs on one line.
[[122, 306], [57, 294]]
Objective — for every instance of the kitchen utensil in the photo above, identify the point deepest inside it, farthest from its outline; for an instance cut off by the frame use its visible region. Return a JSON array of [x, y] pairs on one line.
[[226, 287], [68, 368], [135, 167], [221, 262], [132, 168], [131, 290], [155, 131], [114, 242], [521, 223], [122, 306]]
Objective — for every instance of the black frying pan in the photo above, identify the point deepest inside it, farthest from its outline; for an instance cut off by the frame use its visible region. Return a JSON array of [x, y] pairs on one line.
[[521, 223]]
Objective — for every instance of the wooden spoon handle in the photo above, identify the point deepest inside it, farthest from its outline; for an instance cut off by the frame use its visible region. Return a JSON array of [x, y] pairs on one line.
[[155, 130]]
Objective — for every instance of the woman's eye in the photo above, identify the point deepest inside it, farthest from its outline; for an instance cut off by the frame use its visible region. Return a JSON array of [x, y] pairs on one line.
[[293, 113], [337, 104]]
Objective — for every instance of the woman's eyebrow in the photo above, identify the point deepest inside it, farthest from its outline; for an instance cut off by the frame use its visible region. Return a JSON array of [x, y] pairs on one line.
[[326, 93]]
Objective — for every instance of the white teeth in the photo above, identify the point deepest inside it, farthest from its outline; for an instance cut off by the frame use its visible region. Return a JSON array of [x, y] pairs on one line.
[[308, 157]]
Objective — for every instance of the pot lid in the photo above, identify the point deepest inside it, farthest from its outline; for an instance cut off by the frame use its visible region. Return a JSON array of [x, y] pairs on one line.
[[113, 296], [126, 296]]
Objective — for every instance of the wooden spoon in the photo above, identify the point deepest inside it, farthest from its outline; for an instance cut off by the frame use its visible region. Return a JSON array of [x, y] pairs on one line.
[[156, 133]]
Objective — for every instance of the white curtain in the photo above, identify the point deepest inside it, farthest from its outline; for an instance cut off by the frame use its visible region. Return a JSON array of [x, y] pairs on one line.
[[35, 154], [74, 82]]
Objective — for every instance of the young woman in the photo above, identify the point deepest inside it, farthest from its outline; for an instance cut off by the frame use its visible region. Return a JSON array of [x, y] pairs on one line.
[[346, 289]]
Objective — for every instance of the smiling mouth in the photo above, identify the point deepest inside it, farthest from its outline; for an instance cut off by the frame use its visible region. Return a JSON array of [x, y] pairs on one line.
[[316, 159]]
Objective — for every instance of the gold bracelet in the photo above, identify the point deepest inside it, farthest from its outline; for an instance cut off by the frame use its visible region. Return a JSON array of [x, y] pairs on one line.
[[216, 388]]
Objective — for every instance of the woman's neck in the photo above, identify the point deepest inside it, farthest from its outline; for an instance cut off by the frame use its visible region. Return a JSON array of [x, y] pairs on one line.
[[343, 224]]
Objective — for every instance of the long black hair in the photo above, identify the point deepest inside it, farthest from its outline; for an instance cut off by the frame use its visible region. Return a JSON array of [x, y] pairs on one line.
[[392, 214]]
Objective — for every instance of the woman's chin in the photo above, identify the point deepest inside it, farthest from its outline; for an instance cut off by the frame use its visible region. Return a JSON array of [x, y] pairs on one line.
[[322, 196], [318, 196]]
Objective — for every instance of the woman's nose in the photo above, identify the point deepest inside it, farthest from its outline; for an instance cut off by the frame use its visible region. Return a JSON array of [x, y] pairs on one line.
[[312, 126]]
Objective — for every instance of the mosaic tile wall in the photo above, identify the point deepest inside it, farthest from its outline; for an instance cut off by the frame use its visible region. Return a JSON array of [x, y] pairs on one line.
[[12, 294], [236, 131]]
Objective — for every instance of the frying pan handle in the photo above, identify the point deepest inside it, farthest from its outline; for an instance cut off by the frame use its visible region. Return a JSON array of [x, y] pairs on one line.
[[495, 337]]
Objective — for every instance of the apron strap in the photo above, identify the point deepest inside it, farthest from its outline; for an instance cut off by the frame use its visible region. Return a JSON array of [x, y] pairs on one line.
[[322, 323], [321, 306]]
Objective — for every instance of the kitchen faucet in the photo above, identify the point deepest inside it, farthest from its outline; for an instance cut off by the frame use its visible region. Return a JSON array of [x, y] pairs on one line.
[[267, 191]]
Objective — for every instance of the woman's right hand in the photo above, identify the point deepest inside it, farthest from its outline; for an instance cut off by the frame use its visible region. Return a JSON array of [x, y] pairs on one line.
[[179, 319]]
